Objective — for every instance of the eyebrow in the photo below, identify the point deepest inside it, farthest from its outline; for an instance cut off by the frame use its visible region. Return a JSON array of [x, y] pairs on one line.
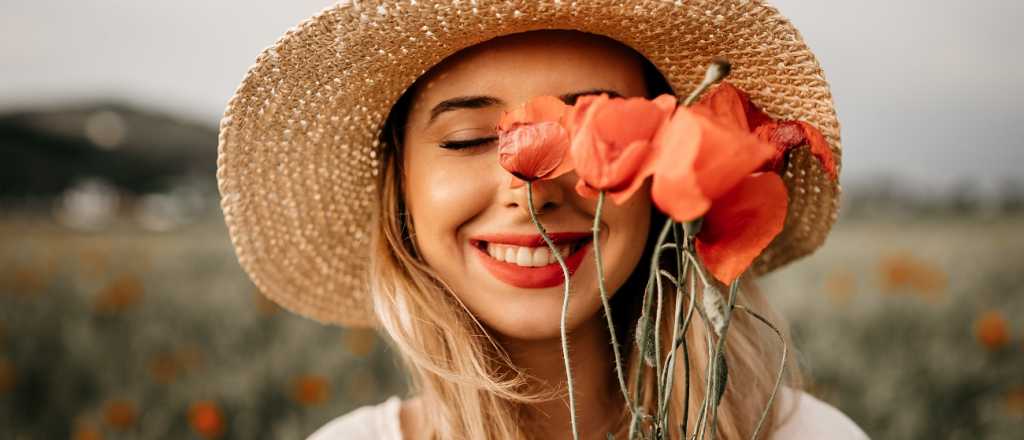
[[483, 101]]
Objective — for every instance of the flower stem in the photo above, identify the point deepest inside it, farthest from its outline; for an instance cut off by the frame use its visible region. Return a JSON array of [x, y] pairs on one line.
[[619, 373], [677, 338], [719, 351], [717, 70], [686, 354], [565, 308], [645, 332], [660, 395], [699, 424]]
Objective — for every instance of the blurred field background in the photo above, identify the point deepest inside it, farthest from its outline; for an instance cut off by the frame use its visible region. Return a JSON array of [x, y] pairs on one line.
[[124, 315]]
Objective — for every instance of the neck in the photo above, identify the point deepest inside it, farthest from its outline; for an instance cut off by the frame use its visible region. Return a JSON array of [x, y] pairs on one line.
[[598, 402]]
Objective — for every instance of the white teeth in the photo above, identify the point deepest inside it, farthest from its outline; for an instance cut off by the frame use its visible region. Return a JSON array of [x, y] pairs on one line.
[[540, 257], [526, 256]]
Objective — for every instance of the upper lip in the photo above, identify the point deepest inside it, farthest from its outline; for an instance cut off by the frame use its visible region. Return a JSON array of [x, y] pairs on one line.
[[531, 240]]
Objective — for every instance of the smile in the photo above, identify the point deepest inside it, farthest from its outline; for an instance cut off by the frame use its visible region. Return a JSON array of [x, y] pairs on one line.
[[525, 261]]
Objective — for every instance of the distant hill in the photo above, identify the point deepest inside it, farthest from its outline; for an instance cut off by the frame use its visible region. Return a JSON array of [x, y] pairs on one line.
[[44, 152]]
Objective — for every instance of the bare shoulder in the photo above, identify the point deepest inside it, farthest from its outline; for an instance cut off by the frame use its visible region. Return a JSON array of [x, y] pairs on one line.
[[803, 416], [411, 419], [372, 422]]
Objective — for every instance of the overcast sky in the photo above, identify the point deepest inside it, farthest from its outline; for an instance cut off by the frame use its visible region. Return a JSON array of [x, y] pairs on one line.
[[925, 89]]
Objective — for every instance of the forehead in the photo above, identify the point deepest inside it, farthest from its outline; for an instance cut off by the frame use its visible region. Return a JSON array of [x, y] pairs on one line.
[[518, 67]]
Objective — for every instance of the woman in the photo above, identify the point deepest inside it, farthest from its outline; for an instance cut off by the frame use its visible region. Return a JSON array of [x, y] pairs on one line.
[[360, 182]]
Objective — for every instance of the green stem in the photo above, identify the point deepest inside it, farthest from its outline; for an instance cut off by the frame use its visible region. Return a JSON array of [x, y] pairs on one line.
[[645, 333], [670, 364], [719, 352], [660, 395], [565, 308], [638, 376], [782, 368], [619, 373], [699, 425], [686, 354], [717, 70]]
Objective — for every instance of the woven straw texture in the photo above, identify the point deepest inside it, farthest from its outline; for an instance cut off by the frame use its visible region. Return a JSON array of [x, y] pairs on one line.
[[298, 152]]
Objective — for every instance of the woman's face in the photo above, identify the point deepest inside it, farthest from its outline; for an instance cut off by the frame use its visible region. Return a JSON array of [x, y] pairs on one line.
[[463, 208]]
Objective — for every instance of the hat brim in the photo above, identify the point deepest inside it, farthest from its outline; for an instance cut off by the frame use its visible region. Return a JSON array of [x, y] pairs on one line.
[[298, 149]]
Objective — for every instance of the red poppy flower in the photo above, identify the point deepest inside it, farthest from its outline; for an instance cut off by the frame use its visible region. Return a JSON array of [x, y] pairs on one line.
[[612, 142], [731, 106], [532, 143], [741, 223], [704, 169], [992, 331], [311, 390], [206, 419], [699, 160], [121, 414]]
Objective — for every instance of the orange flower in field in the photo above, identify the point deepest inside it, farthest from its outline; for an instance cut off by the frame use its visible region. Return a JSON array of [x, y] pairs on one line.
[[532, 143], [86, 431], [731, 106], [206, 419], [741, 223], [120, 295], [1015, 401], [612, 142], [311, 390], [8, 376], [164, 368], [121, 414], [992, 330]]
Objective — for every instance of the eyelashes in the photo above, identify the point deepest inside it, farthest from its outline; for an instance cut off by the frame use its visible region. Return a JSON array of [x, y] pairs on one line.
[[468, 143]]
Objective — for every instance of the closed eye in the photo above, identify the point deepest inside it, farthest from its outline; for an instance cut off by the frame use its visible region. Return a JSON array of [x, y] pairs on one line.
[[468, 143]]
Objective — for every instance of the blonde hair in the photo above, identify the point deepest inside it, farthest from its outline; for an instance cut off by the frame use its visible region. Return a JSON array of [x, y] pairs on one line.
[[467, 383]]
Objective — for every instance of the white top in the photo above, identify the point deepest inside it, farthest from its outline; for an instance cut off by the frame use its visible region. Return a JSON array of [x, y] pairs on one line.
[[813, 419]]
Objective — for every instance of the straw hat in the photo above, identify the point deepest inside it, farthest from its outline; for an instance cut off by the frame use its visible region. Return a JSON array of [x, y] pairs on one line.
[[298, 161]]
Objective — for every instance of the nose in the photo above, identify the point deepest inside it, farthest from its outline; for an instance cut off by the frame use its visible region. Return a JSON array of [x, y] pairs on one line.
[[548, 195]]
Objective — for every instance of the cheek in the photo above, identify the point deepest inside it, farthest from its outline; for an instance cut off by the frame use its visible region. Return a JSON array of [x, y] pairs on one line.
[[442, 196], [629, 225]]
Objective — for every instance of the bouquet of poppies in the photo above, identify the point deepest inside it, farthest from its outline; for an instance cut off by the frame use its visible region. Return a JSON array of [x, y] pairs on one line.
[[715, 164]]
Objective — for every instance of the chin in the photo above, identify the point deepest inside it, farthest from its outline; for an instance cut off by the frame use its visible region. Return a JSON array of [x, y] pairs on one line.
[[536, 315]]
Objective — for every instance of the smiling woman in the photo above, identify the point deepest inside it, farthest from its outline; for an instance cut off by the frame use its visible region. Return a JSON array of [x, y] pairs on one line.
[[461, 204], [456, 272]]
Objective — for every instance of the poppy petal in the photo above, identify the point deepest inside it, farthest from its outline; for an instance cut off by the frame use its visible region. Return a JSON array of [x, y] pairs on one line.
[[623, 121], [612, 141], [700, 159], [511, 119], [585, 190], [820, 149], [545, 109], [786, 135], [533, 151], [732, 106], [631, 159], [576, 116], [741, 224], [675, 190]]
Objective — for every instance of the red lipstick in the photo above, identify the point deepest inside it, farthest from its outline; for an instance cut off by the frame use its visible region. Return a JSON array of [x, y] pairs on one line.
[[549, 275]]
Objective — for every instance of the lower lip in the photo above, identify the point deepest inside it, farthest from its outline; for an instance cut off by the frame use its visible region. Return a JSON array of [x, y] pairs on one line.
[[540, 277]]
